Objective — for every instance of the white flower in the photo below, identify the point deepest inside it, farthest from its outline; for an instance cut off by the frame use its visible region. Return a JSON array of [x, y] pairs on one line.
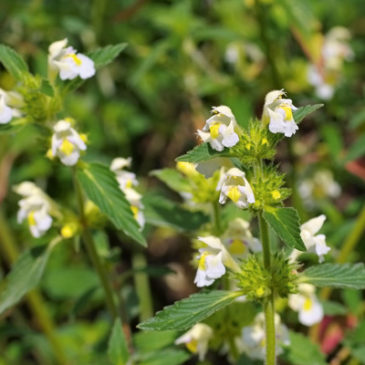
[[35, 208], [67, 143], [324, 90], [314, 243], [212, 261], [9, 102], [278, 112], [126, 179], [306, 303], [219, 130], [234, 185], [239, 240], [134, 200], [254, 337], [196, 339], [68, 62]]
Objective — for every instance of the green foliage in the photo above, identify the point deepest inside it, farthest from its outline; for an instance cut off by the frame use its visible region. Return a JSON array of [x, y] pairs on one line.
[[165, 213], [304, 111], [303, 352], [165, 357], [285, 222], [336, 275], [173, 179], [152, 341], [13, 62], [333, 308], [187, 312], [204, 152], [101, 187], [117, 346], [25, 275]]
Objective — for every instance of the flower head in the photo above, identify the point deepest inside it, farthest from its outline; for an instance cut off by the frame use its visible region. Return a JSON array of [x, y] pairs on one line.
[[254, 337], [126, 179], [68, 62], [212, 261], [278, 112], [34, 207], [219, 129], [239, 240], [234, 185], [196, 339], [9, 101], [306, 303], [67, 143]]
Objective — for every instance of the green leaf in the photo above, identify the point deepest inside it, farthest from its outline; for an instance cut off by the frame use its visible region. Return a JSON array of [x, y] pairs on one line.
[[356, 150], [303, 352], [333, 308], [25, 274], [285, 222], [117, 346], [187, 312], [165, 357], [13, 62], [102, 188], [101, 57], [302, 112], [173, 179], [336, 275], [152, 340], [161, 212], [203, 152]]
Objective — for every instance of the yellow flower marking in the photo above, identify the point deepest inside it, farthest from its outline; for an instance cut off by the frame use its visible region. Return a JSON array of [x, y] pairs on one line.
[[237, 247], [234, 194], [66, 147], [307, 306], [288, 111], [135, 211], [202, 265], [75, 59], [265, 141], [214, 130], [192, 346], [49, 154], [129, 184], [276, 194], [186, 168], [83, 136], [31, 219]]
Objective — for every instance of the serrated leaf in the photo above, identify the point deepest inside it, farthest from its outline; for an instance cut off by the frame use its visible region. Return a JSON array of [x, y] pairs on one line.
[[25, 275], [173, 179], [165, 357], [162, 212], [101, 187], [13, 62], [336, 275], [285, 222], [101, 57], [303, 352], [203, 152], [117, 346], [187, 312], [302, 112]]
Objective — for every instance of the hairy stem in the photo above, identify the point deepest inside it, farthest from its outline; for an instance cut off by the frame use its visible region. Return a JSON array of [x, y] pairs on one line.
[[33, 299], [269, 305]]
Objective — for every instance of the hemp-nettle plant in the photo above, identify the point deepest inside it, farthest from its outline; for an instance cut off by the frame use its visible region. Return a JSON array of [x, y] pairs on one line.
[[248, 244]]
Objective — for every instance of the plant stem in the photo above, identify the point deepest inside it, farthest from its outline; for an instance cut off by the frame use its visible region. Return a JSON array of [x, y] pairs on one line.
[[216, 218], [91, 250], [142, 286], [33, 298], [269, 305]]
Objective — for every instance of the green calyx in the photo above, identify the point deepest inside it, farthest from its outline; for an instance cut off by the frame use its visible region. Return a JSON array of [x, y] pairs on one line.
[[257, 283], [267, 185]]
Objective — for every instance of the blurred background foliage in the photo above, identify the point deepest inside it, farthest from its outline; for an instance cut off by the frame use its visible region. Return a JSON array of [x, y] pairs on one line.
[[182, 57]]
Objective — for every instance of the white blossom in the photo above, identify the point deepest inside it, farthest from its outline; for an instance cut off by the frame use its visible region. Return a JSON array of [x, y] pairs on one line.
[[68, 62], [34, 207], [234, 185], [254, 337], [278, 112], [239, 240], [67, 143], [137, 207], [306, 304], [196, 339], [10, 101], [220, 129], [126, 179], [212, 261]]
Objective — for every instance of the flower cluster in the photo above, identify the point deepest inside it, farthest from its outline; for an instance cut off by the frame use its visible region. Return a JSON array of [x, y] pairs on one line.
[[127, 180]]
